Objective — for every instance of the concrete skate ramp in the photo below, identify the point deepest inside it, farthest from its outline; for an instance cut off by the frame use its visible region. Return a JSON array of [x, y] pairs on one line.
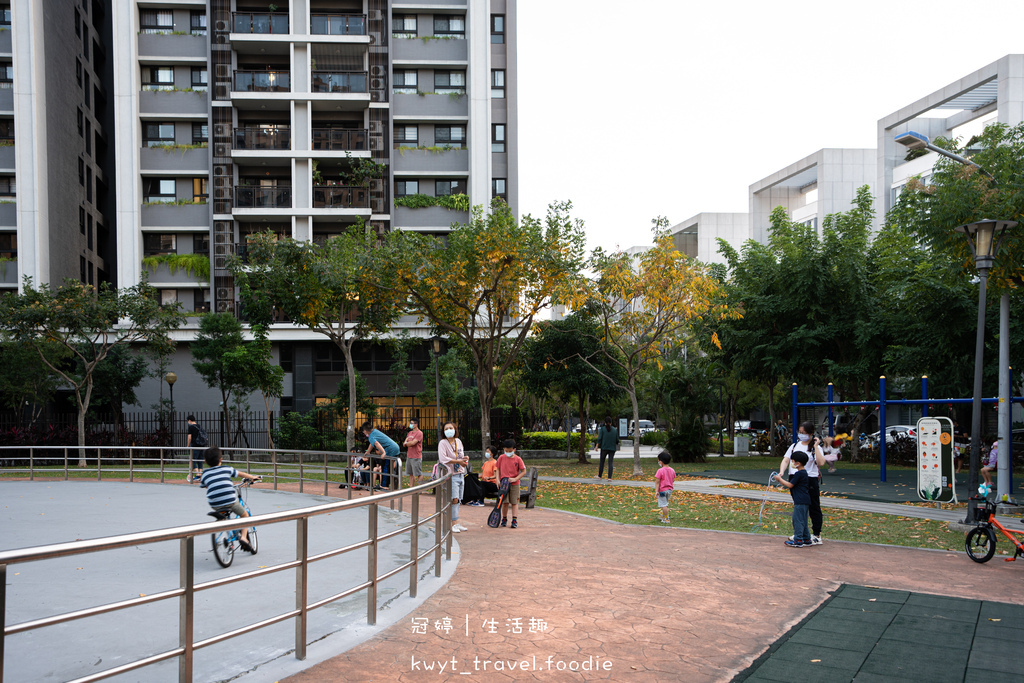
[[39, 513]]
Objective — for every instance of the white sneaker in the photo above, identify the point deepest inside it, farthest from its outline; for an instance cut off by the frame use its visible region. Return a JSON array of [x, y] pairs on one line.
[[792, 538], [456, 529], [815, 540], [460, 527]]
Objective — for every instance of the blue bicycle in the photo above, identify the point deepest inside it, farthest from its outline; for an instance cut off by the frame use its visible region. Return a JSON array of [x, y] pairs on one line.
[[226, 542]]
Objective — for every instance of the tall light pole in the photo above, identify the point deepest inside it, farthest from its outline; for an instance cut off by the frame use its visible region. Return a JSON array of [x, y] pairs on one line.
[[171, 378], [436, 345], [914, 140]]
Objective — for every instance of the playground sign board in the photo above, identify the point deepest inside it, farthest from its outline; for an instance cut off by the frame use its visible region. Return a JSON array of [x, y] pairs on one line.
[[935, 460]]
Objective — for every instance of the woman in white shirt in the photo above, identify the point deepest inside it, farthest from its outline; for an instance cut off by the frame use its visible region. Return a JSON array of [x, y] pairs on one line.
[[810, 444], [451, 453]]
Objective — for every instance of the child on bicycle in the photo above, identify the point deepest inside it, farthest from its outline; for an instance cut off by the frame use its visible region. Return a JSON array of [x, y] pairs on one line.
[[221, 493]]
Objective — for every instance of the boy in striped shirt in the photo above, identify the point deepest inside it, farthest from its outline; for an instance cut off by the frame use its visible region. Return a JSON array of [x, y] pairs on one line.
[[220, 493]]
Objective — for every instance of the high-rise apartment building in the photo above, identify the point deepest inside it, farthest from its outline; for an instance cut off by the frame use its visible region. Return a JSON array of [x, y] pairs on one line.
[[206, 121]]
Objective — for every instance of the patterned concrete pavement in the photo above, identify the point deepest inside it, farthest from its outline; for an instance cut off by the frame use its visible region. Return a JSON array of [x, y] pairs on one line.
[[608, 601]]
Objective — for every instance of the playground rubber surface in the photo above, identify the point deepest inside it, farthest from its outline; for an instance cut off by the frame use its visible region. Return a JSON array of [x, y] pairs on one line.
[[900, 485]]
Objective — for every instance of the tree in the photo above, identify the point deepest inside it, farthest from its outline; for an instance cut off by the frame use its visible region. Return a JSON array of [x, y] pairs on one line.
[[485, 285], [253, 361], [323, 287], [452, 373], [87, 324], [645, 305], [26, 385], [116, 380], [687, 391], [553, 358], [218, 355]]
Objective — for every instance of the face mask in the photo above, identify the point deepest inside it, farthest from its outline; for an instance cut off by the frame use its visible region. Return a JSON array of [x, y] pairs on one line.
[[449, 433], [804, 438], [509, 454], [412, 426]]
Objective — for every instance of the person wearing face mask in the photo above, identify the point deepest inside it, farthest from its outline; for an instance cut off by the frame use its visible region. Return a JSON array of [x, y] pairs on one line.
[[489, 472], [452, 454], [809, 444], [414, 455], [511, 467]]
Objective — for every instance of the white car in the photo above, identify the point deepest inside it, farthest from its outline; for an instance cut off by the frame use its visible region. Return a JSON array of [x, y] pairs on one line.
[[645, 426], [901, 430]]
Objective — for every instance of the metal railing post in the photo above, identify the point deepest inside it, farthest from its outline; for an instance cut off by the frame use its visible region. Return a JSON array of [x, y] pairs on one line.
[[131, 465], [3, 617], [325, 474], [438, 526], [881, 427], [414, 544], [301, 586], [32, 463], [273, 458], [162, 465], [302, 475], [185, 605], [99, 463], [66, 475], [448, 518], [371, 565]]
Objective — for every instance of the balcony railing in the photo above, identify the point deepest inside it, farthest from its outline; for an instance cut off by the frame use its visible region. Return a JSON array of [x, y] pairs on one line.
[[340, 197], [339, 81], [340, 139], [259, 22], [338, 24], [262, 81], [248, 197], [262, 138]]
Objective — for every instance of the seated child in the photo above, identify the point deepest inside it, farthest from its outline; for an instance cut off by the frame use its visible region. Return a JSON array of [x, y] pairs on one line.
[[990, 462]]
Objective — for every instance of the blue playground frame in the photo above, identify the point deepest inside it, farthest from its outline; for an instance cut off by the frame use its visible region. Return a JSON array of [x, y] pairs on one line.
[[881, 404]]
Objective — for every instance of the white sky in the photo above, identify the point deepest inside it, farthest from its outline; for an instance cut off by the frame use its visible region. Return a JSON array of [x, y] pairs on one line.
[[674, 107]]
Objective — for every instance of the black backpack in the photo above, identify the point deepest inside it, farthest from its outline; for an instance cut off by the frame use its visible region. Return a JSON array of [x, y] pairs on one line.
[[201, 440]]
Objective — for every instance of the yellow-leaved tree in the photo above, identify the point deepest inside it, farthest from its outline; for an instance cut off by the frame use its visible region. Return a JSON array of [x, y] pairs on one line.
[[646, 304]]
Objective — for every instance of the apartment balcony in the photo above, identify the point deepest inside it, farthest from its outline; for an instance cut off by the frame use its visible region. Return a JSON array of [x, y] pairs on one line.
[[340, 197], [429, 4], [262, 139], [8, 212], [182, 272], [432, 49], [175, 160], [171, 47], [339, 82], [431, 106], [340, 140], [8, 270], [7, 154], [260, 23], [433, 217], [432, 161], [5, 43], [7, 99], [175, 216], [337, 24], [172, 102], [254, 197], [261, 81]]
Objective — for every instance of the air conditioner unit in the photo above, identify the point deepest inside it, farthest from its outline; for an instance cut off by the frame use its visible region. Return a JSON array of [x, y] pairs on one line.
[[378, 83], [376, 142], [222, 72], [377, 70], [220, 26], [223, 293], [222, 193]]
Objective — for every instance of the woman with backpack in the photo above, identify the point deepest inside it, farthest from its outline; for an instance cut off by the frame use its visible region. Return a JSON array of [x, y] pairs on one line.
[[197, 441], [608, 442]]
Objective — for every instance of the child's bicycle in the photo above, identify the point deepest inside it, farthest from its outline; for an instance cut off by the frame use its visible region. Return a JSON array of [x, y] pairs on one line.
[[226, 542], [981, 540]]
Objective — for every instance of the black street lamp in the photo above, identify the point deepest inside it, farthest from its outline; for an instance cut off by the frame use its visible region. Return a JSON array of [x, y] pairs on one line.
[[435, 342], [984, 237]]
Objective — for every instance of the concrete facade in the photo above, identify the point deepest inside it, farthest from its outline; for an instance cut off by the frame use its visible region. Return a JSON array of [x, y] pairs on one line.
[[698, 236]]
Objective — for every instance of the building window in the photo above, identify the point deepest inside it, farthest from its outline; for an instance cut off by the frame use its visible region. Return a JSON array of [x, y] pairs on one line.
[[88, 184], [9, 244], [88, 138], [404, 26], [404, 188], [498, 83], [81, 269], [498, 186], [405, 82], [200, 304], [450, 136], [88, 234], [199, 78], [450, 81], [497, 28], [88, 89], [169, 298], [443, 188], [449, 25], [200, 190], [156, 21], [201, 244], [78, 23], [407, 136], [85, 41], [158, 78], [78, 72], [158, 245], [81, 171], [200, 134], [7, 129], [81, 220], [198, 23], [81, 124], [158, 190], [6, 76], [498, 137], [8, 186], [157, 134]]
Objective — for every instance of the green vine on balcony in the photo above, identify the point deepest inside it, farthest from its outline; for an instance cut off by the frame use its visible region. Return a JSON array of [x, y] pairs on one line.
[[4, 260], [452, 202], [174, 147], [176, 202], [197, 265], [402, 149]]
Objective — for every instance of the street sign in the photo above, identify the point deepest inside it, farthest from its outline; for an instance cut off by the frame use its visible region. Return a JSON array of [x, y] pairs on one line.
[[935, 460]]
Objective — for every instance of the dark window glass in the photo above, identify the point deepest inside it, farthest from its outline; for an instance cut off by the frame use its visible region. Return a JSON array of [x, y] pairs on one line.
[[497, 28], [447, 187]]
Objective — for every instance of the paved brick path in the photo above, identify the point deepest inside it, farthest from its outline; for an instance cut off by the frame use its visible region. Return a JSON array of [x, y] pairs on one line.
[[659, 604]]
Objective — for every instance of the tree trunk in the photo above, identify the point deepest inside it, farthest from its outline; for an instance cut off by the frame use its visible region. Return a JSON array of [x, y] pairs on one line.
[[81, 431], [583, 430], [483, 388], [350, 423], [226, 417], [631, 389], [771, 417]]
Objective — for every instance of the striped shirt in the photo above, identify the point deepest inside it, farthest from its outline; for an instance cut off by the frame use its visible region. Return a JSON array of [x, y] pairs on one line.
[[217, 482]]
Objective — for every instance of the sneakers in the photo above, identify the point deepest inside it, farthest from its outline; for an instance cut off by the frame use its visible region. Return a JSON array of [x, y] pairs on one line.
[[189, 478], [815, 540], [514, 524], [458, 527], [664, 520], [504, 521], [798, 544], [244, 546]]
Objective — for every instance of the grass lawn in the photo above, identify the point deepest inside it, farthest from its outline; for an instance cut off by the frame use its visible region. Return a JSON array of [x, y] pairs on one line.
[[633, 505]]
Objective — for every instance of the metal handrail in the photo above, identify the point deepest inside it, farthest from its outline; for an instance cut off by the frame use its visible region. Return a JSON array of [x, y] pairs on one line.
[[186, 535], [321, 24], [260, 22], [339, 81]]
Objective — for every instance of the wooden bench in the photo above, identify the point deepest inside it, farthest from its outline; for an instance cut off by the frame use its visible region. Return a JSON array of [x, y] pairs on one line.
[[527, 488]]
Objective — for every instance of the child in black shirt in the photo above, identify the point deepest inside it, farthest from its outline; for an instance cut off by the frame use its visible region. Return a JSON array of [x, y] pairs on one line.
[[799, 486]]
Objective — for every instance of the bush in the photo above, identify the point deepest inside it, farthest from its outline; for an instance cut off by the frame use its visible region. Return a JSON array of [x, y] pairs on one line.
[[689, 444], [298, 432], [654, 439], [553, 441]]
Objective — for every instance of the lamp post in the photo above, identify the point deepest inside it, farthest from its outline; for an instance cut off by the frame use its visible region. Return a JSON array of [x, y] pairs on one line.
[[984, 238], [914, 140], [435, 342], [171, 378]]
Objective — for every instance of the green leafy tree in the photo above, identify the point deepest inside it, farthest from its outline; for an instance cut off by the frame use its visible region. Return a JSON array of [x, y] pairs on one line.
[[116, 380], [485, 284], [453, 370], [254, 362], [87, 323], [332, 289], [219, 356], [25, 383]]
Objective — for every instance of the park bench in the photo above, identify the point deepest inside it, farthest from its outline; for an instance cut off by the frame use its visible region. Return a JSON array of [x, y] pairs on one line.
[[527, 488]]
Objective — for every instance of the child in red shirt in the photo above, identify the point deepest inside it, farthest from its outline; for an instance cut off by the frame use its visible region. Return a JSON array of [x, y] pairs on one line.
[[510, 466], [663, 480]]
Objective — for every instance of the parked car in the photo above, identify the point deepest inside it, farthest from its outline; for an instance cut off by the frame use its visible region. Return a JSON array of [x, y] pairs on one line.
[[645, 426], [900, 430]]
